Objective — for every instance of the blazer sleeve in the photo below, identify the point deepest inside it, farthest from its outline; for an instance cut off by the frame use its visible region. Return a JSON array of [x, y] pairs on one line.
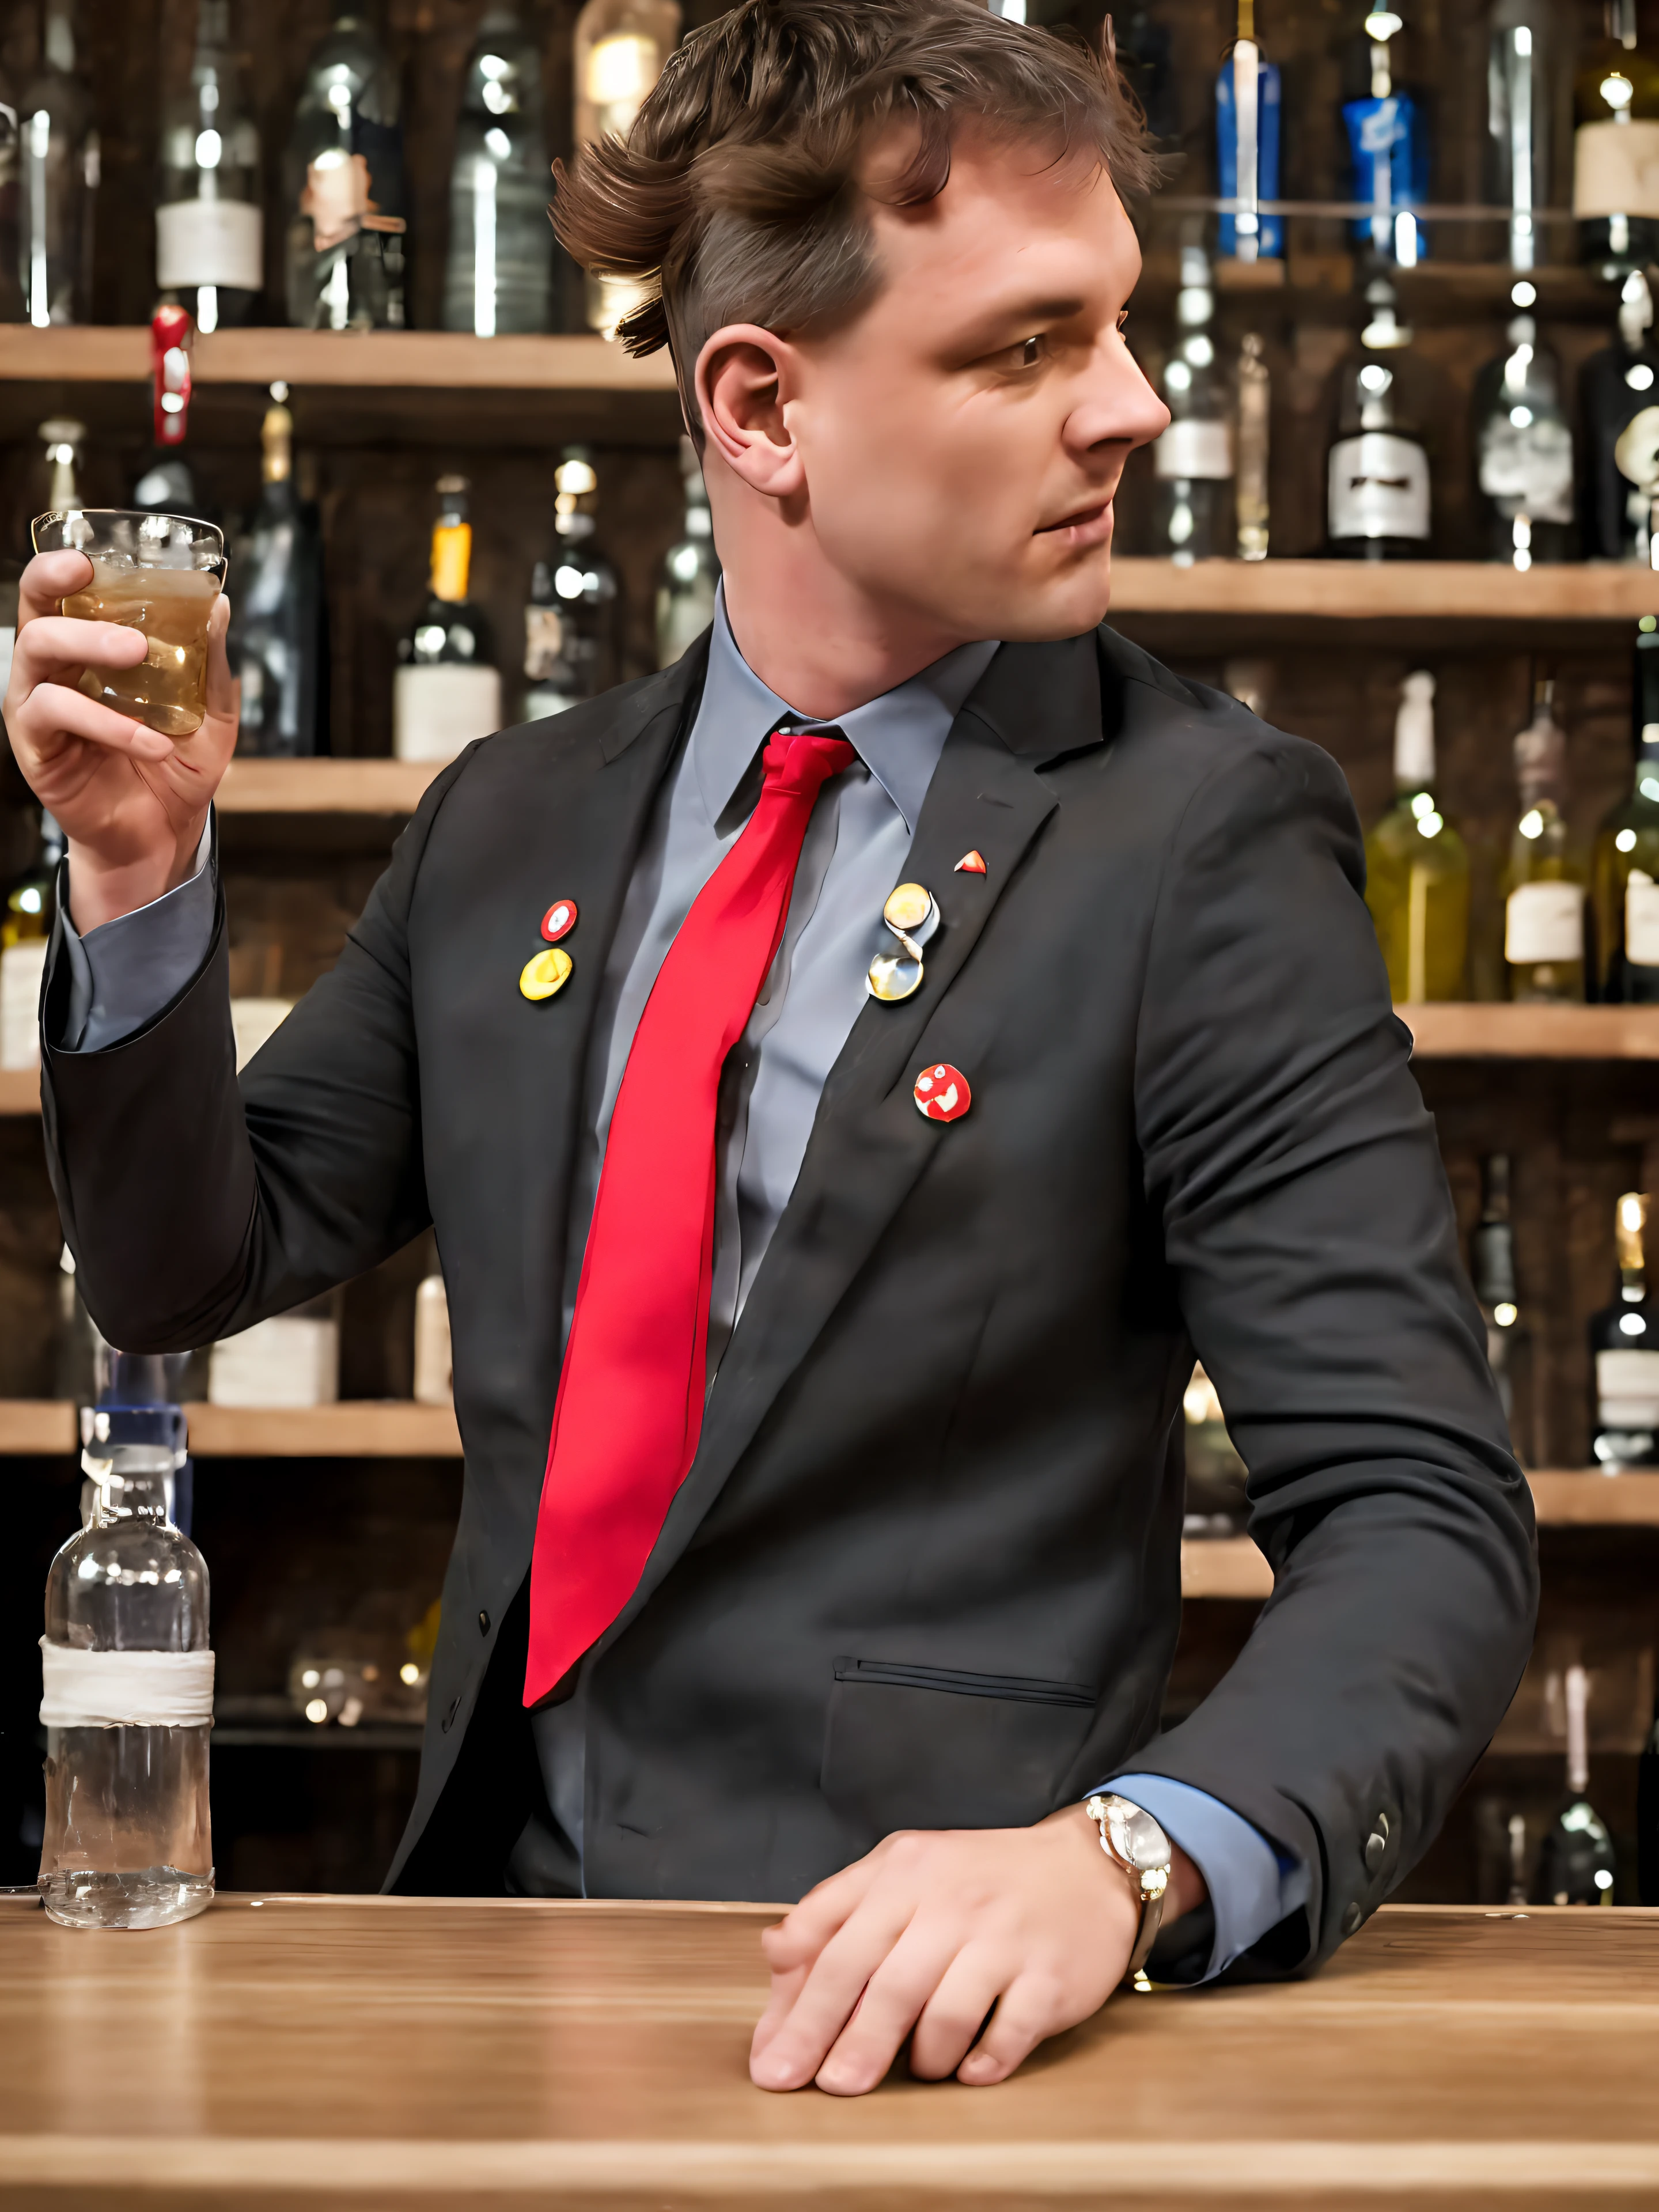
[[195, 1205], [1308, 1224]]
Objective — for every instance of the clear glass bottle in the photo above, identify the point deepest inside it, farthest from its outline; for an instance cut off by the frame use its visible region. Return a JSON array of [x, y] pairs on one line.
[[1518, 102], [1378, 503], [1193, 461], [1625, 861], [691, 568], [572, 621], [128, 1700], [278, 635], [1618, 392], [1615, 146], [1417, 865], [58, 163], [1255, 405], [26, 919], [1544, 877], [498, 273], [343, 183], [619, 48], [1575, 1858], [1624, 1340], [448, 689], [1387, 144], [210, 242], [1524, 445]]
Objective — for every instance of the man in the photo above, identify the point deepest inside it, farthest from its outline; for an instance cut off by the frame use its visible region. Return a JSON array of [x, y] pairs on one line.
[[858, 1315]]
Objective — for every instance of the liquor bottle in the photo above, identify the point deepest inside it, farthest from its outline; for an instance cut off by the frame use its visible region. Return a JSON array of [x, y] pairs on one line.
[[1146, 63], [1617, 392], [1575, 1859], [277, 635], [343, 183], [1417, 865], [1518, 97], [447, 690], [1624, 1340], [58, 162], [690, 569], [128, 1692], [1545, 878], [25, 922], [209, 245], [498, 277], [63, 438], [287, 1359], [572, 621], [1491, 1271], [1247, 112], [435, 1380], [1250, 504], [1646, 1817], [1523, 447], [1615, 146], [1193, 461], [1388, 145], [1625, 862], [166, 484], [620, 46], [1377, 476]]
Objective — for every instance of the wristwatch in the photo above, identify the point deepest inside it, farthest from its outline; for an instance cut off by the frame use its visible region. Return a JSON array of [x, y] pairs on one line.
[[1133, 1840]]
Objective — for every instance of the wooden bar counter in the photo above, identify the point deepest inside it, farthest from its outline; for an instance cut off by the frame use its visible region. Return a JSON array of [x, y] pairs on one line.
[[367, 2053]]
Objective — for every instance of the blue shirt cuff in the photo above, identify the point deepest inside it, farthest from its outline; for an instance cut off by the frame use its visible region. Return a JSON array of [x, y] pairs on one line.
[[1251, 1885], [121, 975]]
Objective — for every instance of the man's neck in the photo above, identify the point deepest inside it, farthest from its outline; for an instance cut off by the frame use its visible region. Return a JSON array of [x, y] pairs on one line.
[[824, 649]]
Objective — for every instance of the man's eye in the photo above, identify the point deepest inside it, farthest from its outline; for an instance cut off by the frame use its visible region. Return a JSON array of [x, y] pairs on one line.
[[1030, 353]]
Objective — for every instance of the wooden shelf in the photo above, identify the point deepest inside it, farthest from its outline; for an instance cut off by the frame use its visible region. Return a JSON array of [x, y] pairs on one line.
[[1383, 591], [325, 787], [1224, 1567], [1501, 1032], [1586, 1498], [441, 361], [19, 1090], [366, 1428]]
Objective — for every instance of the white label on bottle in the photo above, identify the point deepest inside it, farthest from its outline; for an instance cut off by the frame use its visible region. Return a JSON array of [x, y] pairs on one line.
[[1615, 169], [292, 1360], [253, 1022], [124, 1689], [1642, 920], [208, 242], [437, 710], [434, 1381], [22, 967], [1544, 921], [1627, 1389], [1527, 467], [1379, 486], [1194, 448]]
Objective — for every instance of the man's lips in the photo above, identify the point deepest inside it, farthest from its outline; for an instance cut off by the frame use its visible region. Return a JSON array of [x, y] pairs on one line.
[[1087, 525]]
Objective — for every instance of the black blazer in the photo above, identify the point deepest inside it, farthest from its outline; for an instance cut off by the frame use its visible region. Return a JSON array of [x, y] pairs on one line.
[[925, 1571]]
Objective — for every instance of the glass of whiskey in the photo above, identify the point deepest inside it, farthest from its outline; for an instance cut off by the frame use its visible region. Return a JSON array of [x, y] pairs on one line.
[[160, 574]]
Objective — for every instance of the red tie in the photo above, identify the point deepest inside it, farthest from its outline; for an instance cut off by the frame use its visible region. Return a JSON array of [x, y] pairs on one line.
[[630, 1409]]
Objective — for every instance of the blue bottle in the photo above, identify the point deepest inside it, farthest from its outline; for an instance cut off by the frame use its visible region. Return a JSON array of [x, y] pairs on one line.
[[1271, 234], [1388, 145]]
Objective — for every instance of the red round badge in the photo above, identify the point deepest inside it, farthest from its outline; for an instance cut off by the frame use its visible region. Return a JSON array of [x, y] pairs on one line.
[[942, 1093], [559, 919]]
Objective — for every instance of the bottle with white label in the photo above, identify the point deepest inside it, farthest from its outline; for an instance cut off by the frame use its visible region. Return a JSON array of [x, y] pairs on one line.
[[434, 1384], [1625, 1349], [26, 919], [1377, 475], [448, 689], [1193, 461], [1545, 877], [127, 1695], [1417, 865], [209, 245], [1624, 864], [1522, 445], [1615, 146], [289, 1359]]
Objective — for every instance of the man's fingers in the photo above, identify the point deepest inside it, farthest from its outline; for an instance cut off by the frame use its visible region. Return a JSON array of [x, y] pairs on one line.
[[55, 642], [893, 1999], [822, 1913], [785, 1987], [49, 578], [53, 710], [220, 684], [953, 2016], [1030, 2009], [801, 2042]]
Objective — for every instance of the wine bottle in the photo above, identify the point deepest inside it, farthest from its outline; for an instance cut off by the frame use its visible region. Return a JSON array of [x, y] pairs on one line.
[[343, 183], [435, 1380], [1193, 461], [1544, 877], [691, 568], [1247, 112], [619, 48], [277, 637], [1492, 1270], [1617, 392], [572, 621], [1615, 146], [58, 162], [1254, 401], [1388, 145], [448, 689], [1518, 96], [1625, 862], [1575, 1859], [25, 921], [1377, 475], [209, 247], [1624, 1339], [1417, 865], [1522, 445], [498, 277]]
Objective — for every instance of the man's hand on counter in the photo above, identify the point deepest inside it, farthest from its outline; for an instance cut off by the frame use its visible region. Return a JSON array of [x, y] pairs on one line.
[[133, 803], [927, 1934]]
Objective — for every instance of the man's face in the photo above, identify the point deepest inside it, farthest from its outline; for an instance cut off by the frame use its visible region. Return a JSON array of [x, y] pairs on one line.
[[963, 435]]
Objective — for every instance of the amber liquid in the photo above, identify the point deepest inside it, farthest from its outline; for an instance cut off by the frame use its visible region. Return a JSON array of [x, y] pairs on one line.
[[168, 687]]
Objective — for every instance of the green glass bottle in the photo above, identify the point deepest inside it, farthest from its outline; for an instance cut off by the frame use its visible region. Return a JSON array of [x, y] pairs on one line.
[[1417, 865]]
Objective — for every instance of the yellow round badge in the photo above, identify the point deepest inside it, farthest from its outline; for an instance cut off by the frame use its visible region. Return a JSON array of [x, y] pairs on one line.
[[548, 972]]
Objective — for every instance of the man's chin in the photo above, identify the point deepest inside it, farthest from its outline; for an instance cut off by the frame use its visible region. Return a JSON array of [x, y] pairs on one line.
[[1041, 611]]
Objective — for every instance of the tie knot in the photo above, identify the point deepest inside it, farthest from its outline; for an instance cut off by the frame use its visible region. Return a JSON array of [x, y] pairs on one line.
[[804, 760]]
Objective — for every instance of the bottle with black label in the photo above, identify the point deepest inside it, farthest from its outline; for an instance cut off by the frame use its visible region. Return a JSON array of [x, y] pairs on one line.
[[1522, 445], [1618, 392], [572, 619], [448, 689], [1624, 864], [1615, 146], [1625, 1347], [1193, 461], [1575, 1859], [1378, 500], [277, 614], [1491, 1269], [209, 241], [1544, 878], [343, 183]]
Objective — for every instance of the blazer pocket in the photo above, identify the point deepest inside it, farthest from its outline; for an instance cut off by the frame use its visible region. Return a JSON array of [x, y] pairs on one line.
[[908, 1747]]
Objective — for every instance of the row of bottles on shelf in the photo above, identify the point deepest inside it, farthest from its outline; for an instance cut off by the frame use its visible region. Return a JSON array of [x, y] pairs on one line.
[[451, 684], [1540, 498], [346, 247], [1575, 923]]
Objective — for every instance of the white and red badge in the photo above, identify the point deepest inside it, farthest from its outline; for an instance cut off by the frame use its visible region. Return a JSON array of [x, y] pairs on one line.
[[942, 1093], [559, 919]]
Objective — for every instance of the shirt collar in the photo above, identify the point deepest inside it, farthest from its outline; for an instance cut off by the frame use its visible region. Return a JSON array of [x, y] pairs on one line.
[[899, 735]]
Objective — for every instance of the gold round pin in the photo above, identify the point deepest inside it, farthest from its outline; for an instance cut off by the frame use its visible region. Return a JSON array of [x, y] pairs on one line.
[[895, 975], [908, 908], [548, 972]]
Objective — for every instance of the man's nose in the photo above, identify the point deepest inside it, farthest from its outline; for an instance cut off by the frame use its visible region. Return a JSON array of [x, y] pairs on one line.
[[1116, 406]]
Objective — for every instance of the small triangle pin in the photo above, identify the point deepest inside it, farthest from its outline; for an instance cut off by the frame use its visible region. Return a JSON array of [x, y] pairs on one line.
[[970, 864]]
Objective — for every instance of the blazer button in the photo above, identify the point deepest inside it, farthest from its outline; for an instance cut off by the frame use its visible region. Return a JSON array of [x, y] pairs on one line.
[[1351, 1918], [455, 1706], [483, 1623], [1376, 1848]]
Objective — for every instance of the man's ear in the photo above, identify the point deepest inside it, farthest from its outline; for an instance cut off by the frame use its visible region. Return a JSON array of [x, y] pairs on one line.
[[743, 382]]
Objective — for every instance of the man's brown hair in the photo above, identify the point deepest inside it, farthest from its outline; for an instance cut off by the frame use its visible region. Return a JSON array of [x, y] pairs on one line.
[[736, 195]]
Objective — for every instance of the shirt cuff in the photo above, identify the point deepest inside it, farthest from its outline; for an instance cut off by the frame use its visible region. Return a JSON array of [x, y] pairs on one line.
[[122, 975], [1251, 1885]]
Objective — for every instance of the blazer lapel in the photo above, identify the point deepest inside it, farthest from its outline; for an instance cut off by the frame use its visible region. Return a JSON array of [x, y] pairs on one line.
[[1034, 703]]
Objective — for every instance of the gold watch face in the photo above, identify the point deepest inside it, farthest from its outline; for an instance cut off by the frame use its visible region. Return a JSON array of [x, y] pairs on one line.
[[1136, 1837]]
